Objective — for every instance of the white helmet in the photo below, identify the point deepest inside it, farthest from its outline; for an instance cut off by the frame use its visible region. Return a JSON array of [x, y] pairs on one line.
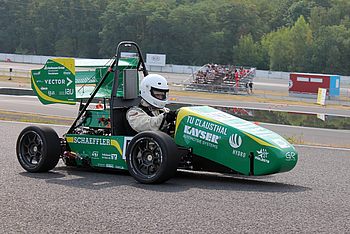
[[154, 90]]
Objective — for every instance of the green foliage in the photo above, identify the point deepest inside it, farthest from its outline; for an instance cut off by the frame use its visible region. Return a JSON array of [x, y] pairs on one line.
[[277, 44], [301, 35], [247, 52], [300, 45]]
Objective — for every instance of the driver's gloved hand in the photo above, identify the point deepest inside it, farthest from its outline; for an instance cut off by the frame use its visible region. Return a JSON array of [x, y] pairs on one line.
[[170, 116]]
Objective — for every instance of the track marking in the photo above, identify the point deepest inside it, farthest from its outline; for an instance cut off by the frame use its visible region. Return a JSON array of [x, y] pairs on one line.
[[323, 147], [303, 127]]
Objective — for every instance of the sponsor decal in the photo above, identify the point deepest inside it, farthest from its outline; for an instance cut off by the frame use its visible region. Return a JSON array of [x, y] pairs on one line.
[[126, 143], [94, 154], [114, 156], [55, 81], [290, 83], [199, 141], [106, 156], [201, 134], [91, 141], [239, 153], [53, 68], [262, 156], [291, 156], [51, 93], [235, 141], [207, 125], [204, 132]]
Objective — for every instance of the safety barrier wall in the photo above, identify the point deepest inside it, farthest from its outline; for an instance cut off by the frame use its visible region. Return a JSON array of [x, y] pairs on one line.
[[19, 58], [169, 68]]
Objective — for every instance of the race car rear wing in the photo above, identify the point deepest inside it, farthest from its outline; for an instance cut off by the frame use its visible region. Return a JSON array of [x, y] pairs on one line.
[[55, 82], [59, 82]]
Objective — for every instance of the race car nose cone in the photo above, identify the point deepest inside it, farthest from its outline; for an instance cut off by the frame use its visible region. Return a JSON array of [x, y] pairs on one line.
[[274, 161]]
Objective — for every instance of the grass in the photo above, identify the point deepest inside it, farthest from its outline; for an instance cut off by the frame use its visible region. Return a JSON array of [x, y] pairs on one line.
[[295, 139], [34, 118], [16, 79]]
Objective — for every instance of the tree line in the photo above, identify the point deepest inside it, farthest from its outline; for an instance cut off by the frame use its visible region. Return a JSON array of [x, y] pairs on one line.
[[284, 35]]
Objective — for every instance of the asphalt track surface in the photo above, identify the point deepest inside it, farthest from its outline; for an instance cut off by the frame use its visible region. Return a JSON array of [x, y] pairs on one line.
[[312, 198]]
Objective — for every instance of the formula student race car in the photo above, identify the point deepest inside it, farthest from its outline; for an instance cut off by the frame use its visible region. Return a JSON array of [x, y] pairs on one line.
[[202, 138]]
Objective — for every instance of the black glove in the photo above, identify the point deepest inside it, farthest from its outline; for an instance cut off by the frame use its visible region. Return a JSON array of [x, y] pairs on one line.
[[170, 116]]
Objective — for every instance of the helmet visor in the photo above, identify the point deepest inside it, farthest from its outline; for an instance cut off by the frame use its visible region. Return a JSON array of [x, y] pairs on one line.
[[160, 94]]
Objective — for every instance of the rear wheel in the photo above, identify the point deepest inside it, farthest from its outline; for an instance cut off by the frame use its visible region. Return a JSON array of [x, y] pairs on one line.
[[152, 157], [38, 149]]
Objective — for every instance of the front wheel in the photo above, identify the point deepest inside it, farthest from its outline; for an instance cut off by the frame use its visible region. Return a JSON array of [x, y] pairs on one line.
[[152, 157], [38, 149]]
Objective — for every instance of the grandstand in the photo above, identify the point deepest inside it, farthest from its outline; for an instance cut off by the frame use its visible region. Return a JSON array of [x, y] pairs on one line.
[[222, 79]]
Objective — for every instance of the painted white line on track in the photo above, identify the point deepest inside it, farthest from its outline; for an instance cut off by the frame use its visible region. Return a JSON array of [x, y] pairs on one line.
[[272, 107], [17, 96], [323, 147], [310, 128], [36, 114]]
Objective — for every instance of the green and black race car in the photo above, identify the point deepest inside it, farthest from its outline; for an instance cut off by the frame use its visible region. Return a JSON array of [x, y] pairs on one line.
[[202, 138]]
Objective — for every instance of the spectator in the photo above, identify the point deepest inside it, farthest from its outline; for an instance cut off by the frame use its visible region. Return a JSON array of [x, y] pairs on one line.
[[250, 84], [99, 105], [236, 78]]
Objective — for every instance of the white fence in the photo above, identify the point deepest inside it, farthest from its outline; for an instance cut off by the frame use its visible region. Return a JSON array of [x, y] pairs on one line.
[[170, 68], [272, 74], [19, 58]]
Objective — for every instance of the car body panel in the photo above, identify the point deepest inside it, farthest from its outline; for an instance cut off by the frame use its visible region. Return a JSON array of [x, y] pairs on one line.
[[231, 141], [99, 151]]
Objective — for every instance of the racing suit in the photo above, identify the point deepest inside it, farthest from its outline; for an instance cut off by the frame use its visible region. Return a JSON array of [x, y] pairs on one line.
[[147, 118]]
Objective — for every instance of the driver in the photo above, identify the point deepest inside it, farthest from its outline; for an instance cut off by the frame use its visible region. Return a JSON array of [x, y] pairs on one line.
[[151, 114]]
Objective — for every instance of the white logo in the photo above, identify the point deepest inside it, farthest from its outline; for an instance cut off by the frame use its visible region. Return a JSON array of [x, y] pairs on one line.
[[69, 81], [238, 153], [290, 83], [262, 156], [291, 156], [262, 153], [201, 134], [94, 154], [235, 141], [114, 156], [155, 58]]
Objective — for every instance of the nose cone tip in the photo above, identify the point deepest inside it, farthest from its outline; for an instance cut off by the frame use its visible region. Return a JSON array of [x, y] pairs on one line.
[[288, 160]]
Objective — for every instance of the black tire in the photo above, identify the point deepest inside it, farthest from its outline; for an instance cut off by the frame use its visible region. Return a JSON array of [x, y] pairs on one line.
[[38, 149], [152, 157]]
